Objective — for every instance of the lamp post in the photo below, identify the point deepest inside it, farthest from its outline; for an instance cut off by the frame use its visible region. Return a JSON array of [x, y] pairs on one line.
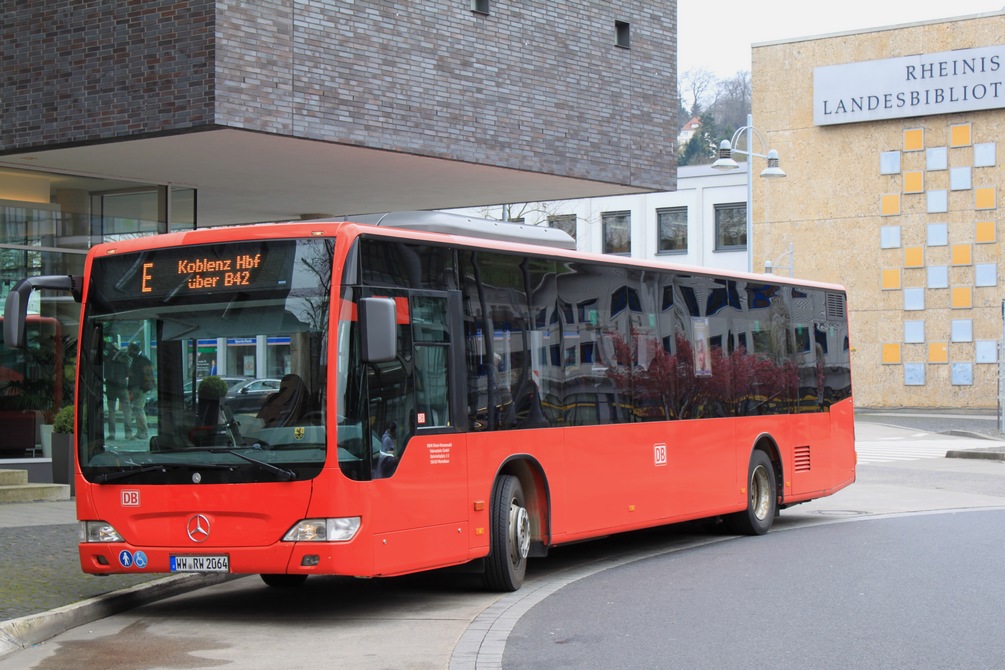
[[769, 266], [726, 162]]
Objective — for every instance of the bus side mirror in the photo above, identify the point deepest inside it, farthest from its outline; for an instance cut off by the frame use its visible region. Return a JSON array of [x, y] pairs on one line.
[[14, 314], [378, 329], [16, 309]]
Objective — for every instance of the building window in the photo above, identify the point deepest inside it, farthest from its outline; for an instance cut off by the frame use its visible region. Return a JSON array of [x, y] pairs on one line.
[[566, 222], [480, 6], [617, 232], [963, 374], [671, 223], [731, 227], [622, 34]]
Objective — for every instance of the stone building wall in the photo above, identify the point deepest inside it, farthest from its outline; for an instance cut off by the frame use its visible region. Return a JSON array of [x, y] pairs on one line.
[[904, 212]]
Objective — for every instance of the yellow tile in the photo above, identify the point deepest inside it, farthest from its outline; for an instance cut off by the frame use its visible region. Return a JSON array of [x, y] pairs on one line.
[[938, 352], [959, 136], [890, 204], [914, 182], [985, 198], [985, 232], [961, 254], [914, 257], [914, 139], [891, 279], [891, 354], [962, 297]]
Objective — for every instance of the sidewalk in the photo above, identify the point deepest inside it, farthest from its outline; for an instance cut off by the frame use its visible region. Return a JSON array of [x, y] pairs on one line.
[[45, 592], [959, 423], [39, 569]]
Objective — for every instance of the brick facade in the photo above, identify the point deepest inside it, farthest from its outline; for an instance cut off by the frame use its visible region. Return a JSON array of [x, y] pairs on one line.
[[86, 71], [534, 86]]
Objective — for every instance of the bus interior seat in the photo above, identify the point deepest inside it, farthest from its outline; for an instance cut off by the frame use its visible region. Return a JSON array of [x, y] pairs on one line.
[[286, 406]]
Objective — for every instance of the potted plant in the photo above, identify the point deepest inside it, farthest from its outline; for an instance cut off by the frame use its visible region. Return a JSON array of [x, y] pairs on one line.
[[211, 391], [62, 448]]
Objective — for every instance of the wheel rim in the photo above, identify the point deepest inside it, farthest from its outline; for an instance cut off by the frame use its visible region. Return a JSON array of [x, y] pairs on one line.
[[519, 523], [760, 493]]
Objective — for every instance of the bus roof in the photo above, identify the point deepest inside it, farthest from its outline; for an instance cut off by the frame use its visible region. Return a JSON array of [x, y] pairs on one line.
[[466, 226], [452, 229]]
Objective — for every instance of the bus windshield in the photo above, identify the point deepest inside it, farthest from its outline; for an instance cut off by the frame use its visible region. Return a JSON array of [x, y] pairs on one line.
[[205, 364]]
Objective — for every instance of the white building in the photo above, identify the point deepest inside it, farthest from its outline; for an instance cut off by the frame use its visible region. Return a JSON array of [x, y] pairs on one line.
[[702, 223], [687, 132]]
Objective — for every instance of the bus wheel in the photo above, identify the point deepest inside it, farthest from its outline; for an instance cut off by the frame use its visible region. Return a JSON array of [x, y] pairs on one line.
[[284, 581], [509, 539], [762, 498]]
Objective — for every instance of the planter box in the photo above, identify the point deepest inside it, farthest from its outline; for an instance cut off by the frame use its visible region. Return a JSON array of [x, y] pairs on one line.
[[63, 467], [19, 432]]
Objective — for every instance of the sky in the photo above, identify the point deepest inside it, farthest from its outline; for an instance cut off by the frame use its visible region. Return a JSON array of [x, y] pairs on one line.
[[716, 35]]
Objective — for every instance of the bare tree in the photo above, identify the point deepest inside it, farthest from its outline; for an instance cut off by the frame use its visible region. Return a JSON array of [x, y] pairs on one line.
[[732, 101], [530, 213], [695, 86]]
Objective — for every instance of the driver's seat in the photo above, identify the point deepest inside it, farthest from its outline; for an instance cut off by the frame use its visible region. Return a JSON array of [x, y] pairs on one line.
[[286, 406]]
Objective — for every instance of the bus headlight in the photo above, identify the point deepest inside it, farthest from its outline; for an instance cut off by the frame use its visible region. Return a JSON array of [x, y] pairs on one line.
[[99, 531], [324, 530]]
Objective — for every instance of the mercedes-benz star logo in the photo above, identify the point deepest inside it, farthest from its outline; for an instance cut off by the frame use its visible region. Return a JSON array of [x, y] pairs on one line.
[[198, 528]]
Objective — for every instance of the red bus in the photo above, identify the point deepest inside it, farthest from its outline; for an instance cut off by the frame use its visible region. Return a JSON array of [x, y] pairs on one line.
[[452, 391]]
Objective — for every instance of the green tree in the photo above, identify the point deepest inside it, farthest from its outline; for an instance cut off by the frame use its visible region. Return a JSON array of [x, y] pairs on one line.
[[722, 105], [702, 147]]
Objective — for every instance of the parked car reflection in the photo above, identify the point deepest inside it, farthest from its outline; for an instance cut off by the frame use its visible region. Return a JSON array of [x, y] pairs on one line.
[[152, 401], [248, 396]]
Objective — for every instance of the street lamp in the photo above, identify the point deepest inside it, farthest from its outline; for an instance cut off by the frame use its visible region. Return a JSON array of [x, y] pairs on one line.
[[769, 266], [726, 162]]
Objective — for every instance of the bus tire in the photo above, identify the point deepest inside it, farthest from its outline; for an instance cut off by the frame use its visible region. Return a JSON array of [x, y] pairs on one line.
[[762, 498], [284, 581], [509, 536]]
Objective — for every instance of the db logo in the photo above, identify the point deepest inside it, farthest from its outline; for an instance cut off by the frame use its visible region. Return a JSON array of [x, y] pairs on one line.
[[660, 454], [130, 498]]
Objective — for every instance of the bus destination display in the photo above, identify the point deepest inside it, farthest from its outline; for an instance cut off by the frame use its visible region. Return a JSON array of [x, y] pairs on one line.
[[190, 271], [207, 273]]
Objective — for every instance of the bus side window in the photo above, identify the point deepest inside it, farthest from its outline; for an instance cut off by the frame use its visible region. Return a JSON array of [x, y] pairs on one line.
[[432, 406], [431, 335]]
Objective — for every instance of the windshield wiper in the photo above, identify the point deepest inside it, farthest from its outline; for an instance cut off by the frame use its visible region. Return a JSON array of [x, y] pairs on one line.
[[284, 474], [162, 467], [124, 474]]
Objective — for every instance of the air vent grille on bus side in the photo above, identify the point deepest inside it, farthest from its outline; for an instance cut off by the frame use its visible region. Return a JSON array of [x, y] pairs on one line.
[[802, 459], [835, 306]]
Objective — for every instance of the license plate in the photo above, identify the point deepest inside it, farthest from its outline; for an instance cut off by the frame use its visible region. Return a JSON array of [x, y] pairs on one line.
[[200, 563]]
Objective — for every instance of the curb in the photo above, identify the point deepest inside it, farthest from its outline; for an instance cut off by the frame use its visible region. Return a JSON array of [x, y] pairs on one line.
[[986, 454], [23, 632]]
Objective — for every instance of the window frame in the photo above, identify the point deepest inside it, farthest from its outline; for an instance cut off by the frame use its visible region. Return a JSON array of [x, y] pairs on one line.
[[565, 222], [609, 218], [659, 230], [721, 208]]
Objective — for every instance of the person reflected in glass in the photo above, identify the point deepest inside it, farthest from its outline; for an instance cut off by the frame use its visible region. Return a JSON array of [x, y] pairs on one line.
[[117, 364], [389, 440], [387, 460], [141, 382]]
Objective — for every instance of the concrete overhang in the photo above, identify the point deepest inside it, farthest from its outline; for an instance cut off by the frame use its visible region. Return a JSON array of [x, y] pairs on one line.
[[246, 177]]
